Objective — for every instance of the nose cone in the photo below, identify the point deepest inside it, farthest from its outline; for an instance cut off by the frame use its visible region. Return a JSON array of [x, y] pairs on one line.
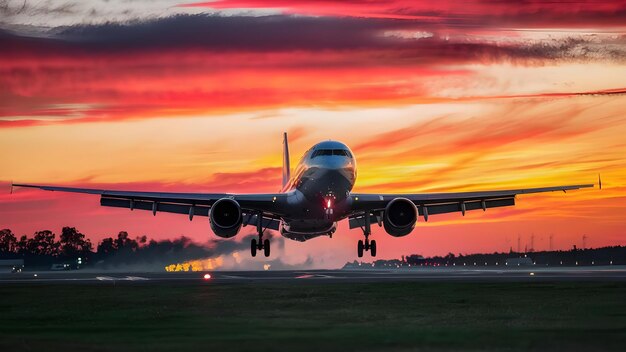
[[329, 169], [336, 166], [335, 175]]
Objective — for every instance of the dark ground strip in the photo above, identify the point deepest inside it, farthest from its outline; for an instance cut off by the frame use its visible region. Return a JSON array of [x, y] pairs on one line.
[[530, 275], [381, 316]]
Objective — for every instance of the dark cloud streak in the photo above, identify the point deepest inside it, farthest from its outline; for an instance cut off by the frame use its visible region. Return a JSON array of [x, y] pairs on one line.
[[269, 34], [220, 33]]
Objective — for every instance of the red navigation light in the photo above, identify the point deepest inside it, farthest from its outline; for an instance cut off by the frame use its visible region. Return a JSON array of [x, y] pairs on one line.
[[207, 276]]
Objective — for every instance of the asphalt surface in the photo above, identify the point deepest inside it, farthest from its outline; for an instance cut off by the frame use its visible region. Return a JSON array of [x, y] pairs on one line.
[[488, 274]]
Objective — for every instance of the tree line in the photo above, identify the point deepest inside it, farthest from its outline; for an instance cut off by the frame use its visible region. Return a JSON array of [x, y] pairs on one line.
[[611, 255], [70, 244]]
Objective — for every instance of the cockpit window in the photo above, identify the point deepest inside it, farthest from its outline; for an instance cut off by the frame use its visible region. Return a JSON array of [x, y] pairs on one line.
[[339, 152], [322, 152]]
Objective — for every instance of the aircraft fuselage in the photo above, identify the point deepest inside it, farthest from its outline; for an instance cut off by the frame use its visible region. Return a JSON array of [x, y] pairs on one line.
[[319, 191]]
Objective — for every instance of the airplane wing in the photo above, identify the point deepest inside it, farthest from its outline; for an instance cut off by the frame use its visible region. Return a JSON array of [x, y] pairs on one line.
[[440, 203], [182, 203]]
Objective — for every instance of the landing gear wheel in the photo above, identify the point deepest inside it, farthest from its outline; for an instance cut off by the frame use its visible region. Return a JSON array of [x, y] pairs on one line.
[[253, 247], [266, 248], [359, 248], [373, 248]]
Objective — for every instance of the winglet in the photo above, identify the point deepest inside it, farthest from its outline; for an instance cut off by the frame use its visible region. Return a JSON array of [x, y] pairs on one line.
[[286, 167], [11, 192], [599, 181]]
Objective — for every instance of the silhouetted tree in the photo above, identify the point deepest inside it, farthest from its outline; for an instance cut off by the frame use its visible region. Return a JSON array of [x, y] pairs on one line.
[[8, 242], [72, 243], [43, 243], [106, 247], [141, 240], [123, 242], [21, 246]]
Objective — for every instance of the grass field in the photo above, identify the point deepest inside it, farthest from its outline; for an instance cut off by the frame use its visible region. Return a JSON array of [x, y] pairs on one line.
[[315, 317]]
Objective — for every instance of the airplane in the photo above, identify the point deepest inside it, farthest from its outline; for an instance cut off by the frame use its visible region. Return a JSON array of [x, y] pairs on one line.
[[312, 200]]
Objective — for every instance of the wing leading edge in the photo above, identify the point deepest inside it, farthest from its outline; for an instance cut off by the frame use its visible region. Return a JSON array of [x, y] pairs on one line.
[[179, 203]]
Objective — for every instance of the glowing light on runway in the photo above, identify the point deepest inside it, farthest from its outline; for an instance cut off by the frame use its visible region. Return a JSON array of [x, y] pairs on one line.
[[207, 276]]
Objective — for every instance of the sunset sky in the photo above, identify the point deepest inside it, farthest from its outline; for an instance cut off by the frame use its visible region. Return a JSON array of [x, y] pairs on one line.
[[431, 96]]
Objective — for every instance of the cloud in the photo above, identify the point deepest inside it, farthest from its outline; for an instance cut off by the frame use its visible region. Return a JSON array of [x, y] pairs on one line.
[[526, 140], [28, 15], [226, 33], [472, 13], [188, 65], [279, 33]]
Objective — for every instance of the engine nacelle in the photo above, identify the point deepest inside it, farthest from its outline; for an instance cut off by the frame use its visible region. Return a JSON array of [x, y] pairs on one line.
[[400, 217], [225, 217]]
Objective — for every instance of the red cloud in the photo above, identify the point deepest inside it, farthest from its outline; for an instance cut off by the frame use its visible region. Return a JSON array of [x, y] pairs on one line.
[[142, 70], [482, 13]]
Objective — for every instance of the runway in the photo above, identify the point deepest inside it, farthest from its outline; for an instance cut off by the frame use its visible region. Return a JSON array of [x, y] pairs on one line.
[[530, 274]]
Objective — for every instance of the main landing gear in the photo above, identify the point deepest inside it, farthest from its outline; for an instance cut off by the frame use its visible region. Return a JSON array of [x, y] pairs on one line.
[[366, 245], [260, 244]]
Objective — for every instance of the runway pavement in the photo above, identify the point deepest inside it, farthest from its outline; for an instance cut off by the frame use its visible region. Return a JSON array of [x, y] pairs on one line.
[[488, 274]]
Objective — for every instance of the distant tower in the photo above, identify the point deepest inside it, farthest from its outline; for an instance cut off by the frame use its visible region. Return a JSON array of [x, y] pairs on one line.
[[551, 248], [532, 243], [519, 243], [584, 241]]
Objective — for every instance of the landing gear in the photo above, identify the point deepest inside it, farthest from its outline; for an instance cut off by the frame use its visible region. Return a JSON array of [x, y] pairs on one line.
[[366, 245], [253, 247], [260, 244], [266, 248]]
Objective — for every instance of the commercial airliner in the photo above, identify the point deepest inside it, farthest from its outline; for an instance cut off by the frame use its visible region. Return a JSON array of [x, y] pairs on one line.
[[311, 202]]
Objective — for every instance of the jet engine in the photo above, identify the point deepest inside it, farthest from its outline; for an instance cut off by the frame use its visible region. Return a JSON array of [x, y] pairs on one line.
[[225, 217], [400, 217]]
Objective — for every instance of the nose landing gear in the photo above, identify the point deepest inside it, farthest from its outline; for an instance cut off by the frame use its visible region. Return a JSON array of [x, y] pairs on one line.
[[366, 245], [260, 244]]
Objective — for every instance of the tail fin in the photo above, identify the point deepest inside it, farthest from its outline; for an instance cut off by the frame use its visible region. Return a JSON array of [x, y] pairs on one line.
[[286, 168]]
